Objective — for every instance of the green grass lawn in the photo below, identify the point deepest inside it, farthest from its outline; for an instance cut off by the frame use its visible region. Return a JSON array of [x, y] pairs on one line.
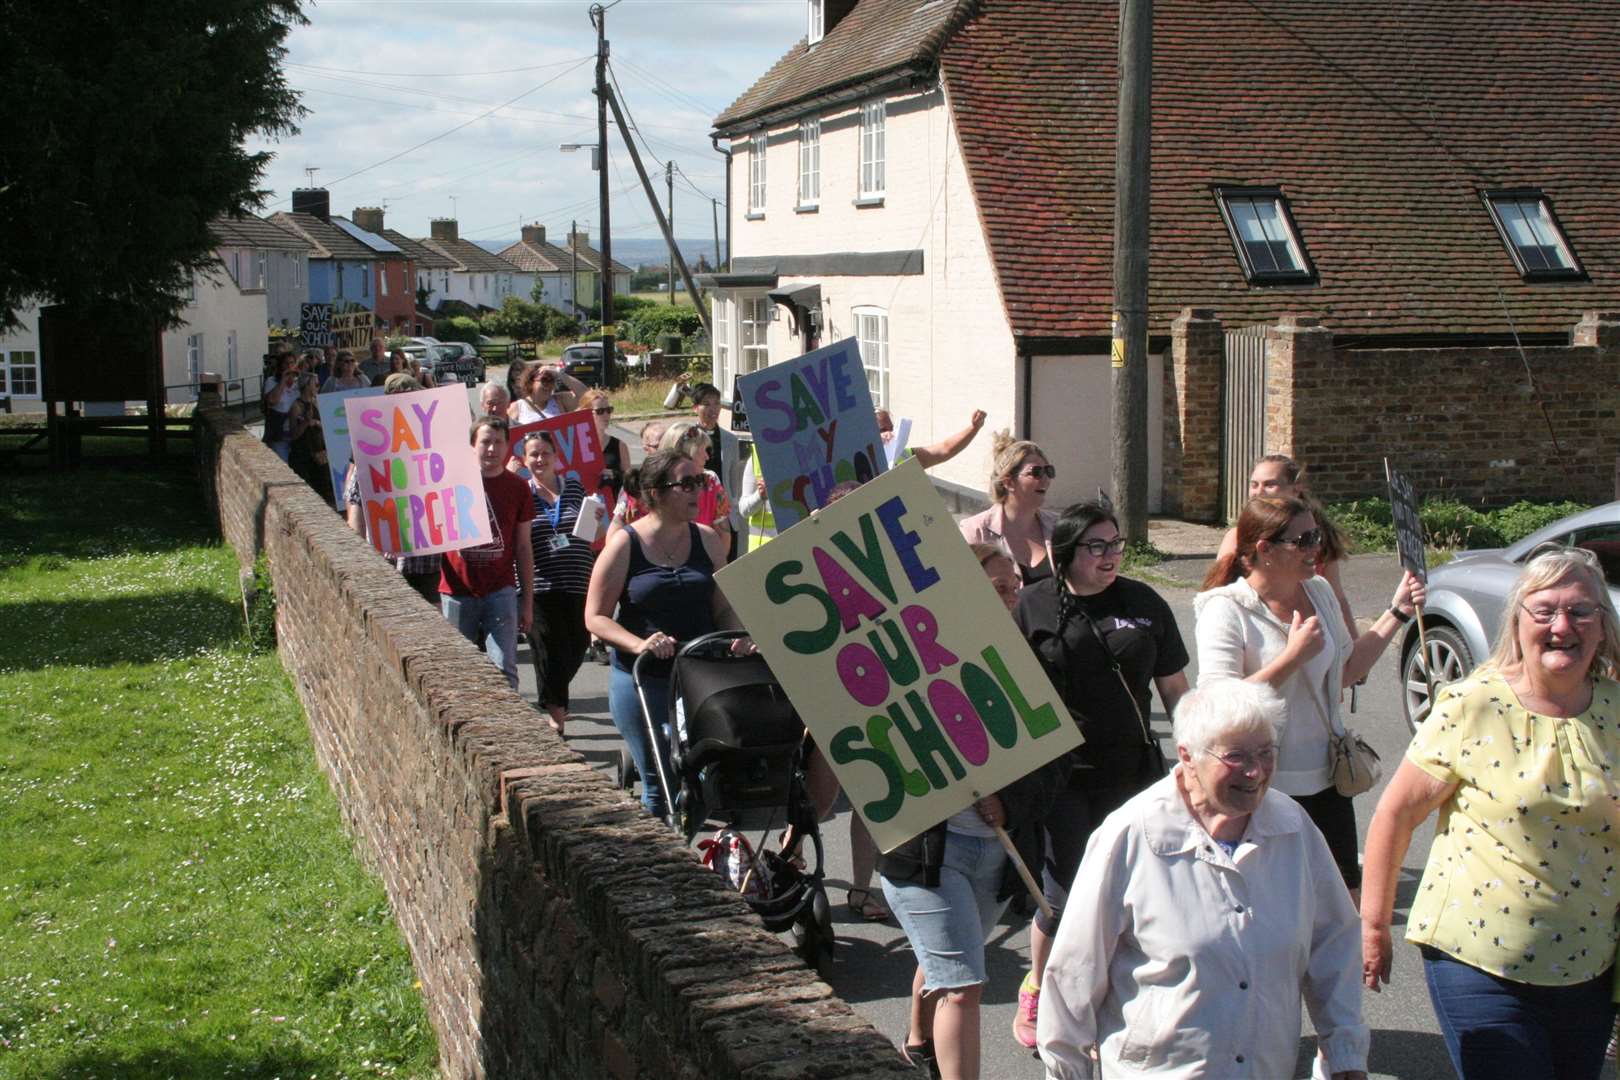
[[179, 899]]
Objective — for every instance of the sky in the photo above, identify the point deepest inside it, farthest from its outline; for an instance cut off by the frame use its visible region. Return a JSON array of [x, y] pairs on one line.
[[380, 77]]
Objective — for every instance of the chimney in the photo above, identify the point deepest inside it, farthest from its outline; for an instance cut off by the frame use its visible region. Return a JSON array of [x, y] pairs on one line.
[[317, 201], [534, 234], [369, 218], [444, 228], [579, 239]]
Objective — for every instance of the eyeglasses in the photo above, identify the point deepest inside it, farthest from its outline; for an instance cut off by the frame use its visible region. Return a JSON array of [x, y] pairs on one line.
[[1048, 471], [1305, 541], [1579, 614], [687, 484], [1098, 548], [603, 410], [1265, 757]]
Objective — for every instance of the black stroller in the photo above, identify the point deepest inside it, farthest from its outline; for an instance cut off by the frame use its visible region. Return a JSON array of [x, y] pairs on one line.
[[736, 755]]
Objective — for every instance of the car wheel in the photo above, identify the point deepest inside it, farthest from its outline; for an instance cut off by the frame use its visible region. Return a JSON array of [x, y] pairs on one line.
[[1448, 661]]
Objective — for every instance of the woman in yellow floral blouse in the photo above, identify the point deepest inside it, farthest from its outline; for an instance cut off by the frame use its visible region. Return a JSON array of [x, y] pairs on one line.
[[1516, 912]]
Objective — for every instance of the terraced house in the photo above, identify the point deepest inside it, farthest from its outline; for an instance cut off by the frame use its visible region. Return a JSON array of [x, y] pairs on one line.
[[1357, 210]]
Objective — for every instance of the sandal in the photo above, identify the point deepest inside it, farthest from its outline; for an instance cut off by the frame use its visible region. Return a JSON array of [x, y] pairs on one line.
[[918, 1055], [868, 907], [1029, 1001]]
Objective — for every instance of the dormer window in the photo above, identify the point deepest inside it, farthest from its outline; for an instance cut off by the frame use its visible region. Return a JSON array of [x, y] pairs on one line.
[[1525, 220], [818, 21], [1264, 235]]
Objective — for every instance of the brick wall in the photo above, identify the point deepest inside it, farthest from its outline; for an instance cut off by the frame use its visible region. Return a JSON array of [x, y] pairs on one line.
[[556, 929], [1460, 422]]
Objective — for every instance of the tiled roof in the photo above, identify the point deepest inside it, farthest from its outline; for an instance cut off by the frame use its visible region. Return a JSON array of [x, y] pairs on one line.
[[426, 258], [469, 256], [326, 240], [536, 258], [591, 259], [876, 37], [1381, 122], [250, 231]]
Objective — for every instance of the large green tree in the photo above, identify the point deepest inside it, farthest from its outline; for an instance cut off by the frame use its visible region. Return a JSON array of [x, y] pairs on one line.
[[122, 136]]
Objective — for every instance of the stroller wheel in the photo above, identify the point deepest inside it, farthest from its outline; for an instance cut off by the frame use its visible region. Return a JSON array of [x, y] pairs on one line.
[[626, 772], [813, 934]]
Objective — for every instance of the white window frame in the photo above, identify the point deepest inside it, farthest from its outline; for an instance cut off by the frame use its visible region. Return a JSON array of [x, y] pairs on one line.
[[817, 28], [337, 292], [756, 174], [191, 288], [20, 363], [872, 337], [809, 163], [722, 343], [194, 356], [230, 355], [262, 265], [874, 117], [365, 279], [297, 270], [382, 278], [754, 333]]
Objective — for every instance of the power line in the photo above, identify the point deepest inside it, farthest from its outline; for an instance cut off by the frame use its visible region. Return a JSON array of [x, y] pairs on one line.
[[452, 131], [669, 90], [439, 74]]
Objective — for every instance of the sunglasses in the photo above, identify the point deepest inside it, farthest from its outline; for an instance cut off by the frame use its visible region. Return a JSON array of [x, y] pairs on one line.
[[603, 410], [687, 484], [1305, 541], [1048, 471]]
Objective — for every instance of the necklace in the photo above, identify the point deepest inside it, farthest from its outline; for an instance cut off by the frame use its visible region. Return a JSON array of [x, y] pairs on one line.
[[669, 561]]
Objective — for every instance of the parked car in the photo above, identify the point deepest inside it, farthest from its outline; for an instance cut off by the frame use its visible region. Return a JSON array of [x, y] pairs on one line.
[[1467, 594], [584, 362], [445, 361]]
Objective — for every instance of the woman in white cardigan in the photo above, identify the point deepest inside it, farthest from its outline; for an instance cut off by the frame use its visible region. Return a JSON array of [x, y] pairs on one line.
[[1204, 913], [1265, 616]]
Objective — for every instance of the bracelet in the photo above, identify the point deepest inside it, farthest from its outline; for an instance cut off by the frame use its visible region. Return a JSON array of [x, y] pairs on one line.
[[1400, 616]]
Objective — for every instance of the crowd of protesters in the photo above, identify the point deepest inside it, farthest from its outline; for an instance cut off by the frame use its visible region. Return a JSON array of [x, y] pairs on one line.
[[1195, 905]]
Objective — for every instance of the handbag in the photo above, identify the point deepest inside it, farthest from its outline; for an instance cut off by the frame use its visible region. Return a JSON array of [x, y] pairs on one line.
[[1354, 765]]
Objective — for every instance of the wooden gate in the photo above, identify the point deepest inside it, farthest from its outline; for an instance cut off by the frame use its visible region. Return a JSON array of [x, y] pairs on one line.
[[1243, 426]]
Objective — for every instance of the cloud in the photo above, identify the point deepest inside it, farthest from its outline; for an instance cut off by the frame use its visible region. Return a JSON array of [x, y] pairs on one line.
[[380, 76]]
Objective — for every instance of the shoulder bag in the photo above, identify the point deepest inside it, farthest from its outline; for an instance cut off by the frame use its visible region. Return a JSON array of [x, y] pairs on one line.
[[1151, 743]]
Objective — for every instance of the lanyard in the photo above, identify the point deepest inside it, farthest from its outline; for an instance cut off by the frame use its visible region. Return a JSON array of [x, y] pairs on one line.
[[554, 511]]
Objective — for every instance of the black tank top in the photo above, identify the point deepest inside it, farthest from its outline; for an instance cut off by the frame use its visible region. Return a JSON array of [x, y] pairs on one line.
[[676, 600]]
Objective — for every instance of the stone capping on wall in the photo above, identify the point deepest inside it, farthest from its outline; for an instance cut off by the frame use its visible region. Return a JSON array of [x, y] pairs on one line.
[[557, 930]]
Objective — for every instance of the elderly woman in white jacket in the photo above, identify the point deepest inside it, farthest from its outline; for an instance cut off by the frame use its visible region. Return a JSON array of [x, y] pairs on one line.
[[1205, 910], [1266, 616]]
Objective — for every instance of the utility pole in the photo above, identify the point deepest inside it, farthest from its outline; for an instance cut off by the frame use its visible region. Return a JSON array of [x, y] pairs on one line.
[[573, 268], [1132, 186], [605, 271], [669, 178]]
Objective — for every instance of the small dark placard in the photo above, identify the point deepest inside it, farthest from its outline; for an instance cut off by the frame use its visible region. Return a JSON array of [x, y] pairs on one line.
[[1408, 527], [315, 325], [739, 417]]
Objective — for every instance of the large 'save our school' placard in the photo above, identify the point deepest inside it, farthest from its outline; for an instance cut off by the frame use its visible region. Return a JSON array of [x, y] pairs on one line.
[[814, 427], [420, 486], [897, 653]]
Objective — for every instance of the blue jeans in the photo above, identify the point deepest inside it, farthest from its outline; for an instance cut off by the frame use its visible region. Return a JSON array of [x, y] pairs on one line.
[[1498, 1029], [947, 924], [626, 710], [489, 621]]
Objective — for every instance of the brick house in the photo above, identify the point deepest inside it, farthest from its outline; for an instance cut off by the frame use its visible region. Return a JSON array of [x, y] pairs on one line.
[[1394, 190]]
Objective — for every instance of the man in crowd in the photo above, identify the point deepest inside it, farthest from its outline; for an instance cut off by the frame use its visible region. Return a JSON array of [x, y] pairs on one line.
[[476, 591]]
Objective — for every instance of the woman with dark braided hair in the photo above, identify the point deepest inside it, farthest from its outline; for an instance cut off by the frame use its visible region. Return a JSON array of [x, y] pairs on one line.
[[1106, 641]]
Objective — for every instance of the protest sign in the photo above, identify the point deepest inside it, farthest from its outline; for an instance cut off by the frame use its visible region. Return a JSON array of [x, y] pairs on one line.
[[315, 325], [895, 650], [1408, 526], [739, 411], [813, 422], [895, 448], [420, 486], [353, 329], [334, 410], [579, 452]]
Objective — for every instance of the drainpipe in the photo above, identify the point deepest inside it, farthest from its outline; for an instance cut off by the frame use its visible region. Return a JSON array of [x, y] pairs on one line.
[[1026, 365], [714, 140]]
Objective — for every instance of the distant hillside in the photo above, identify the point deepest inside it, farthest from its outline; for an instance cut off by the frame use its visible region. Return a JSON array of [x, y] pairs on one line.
[[634, 251]]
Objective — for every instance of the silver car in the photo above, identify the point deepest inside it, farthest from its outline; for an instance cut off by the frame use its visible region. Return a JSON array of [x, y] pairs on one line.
[[1466, 596]]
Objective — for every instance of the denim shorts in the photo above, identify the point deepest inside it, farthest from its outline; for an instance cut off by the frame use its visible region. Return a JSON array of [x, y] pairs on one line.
[[947, 925]]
